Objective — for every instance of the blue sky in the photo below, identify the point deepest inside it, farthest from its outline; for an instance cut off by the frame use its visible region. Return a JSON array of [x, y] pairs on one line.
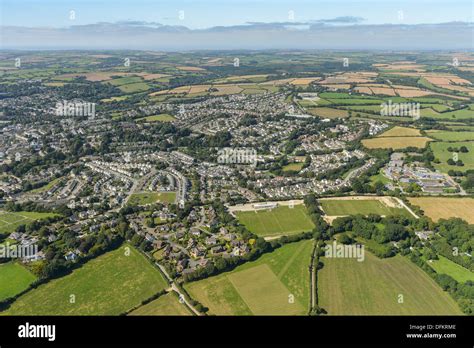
[[207, 13]]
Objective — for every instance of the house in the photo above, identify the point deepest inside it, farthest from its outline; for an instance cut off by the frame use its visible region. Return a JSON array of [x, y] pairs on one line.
[[70, 256], [195, 252], [158, 244], [35, 257], [424, 235], [15, 236], [195, 231], [217, 249], [149, 238], [211, 241], [181, 264]]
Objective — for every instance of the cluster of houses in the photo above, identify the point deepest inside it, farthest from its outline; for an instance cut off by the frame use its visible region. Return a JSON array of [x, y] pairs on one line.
[[187, 245], [415, 173], [234, 106]]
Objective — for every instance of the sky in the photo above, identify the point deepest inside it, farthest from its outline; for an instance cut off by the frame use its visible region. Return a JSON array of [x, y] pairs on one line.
[[199, 14], [234, 24]]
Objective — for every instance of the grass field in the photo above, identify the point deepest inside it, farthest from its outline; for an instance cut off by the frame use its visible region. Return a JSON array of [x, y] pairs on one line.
[[144, 198], [372, 287], [293, 167], [134, 87], [379, 177], [457, 272], [343, 207], [10, 221], [14, 278], [443, 208], [440, 151], [157, 118], [164, 305], [451, 136], [278, 221], [261, 287], [395, 142], [328, 112], [460, 127], [108, 285], [216, 89], [401, 132], [463, 114], [356, 101], [125, 80]]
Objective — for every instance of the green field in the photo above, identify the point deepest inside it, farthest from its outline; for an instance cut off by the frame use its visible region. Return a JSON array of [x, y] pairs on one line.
[[108, 285], [457, 272], [121, 81], [373, 287], [379, 177], [10, 221], [144, 198], [451, 136], [460, 127], [462, 114], [440, 151], [293, 167], [278, 221], [134, 87], [356, 101], [164, 305], [340, 207], [157, 118], [261, 287], [327, 112], [14, 278]]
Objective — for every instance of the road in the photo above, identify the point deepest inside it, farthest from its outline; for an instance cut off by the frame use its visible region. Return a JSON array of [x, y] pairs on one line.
[[406, 207], [175, 288]]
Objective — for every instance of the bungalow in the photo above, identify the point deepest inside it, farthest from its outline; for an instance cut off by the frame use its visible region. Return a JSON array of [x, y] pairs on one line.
[[211, 241], [149, 238], [70, 256], [195, 252], [195, 231]]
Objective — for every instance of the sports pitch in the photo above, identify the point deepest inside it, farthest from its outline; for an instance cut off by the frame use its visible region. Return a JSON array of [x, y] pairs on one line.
[[108, 285], [282, 220], [377, 286], [344, 207], [144, 198], [10, 221], [266, 286]]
